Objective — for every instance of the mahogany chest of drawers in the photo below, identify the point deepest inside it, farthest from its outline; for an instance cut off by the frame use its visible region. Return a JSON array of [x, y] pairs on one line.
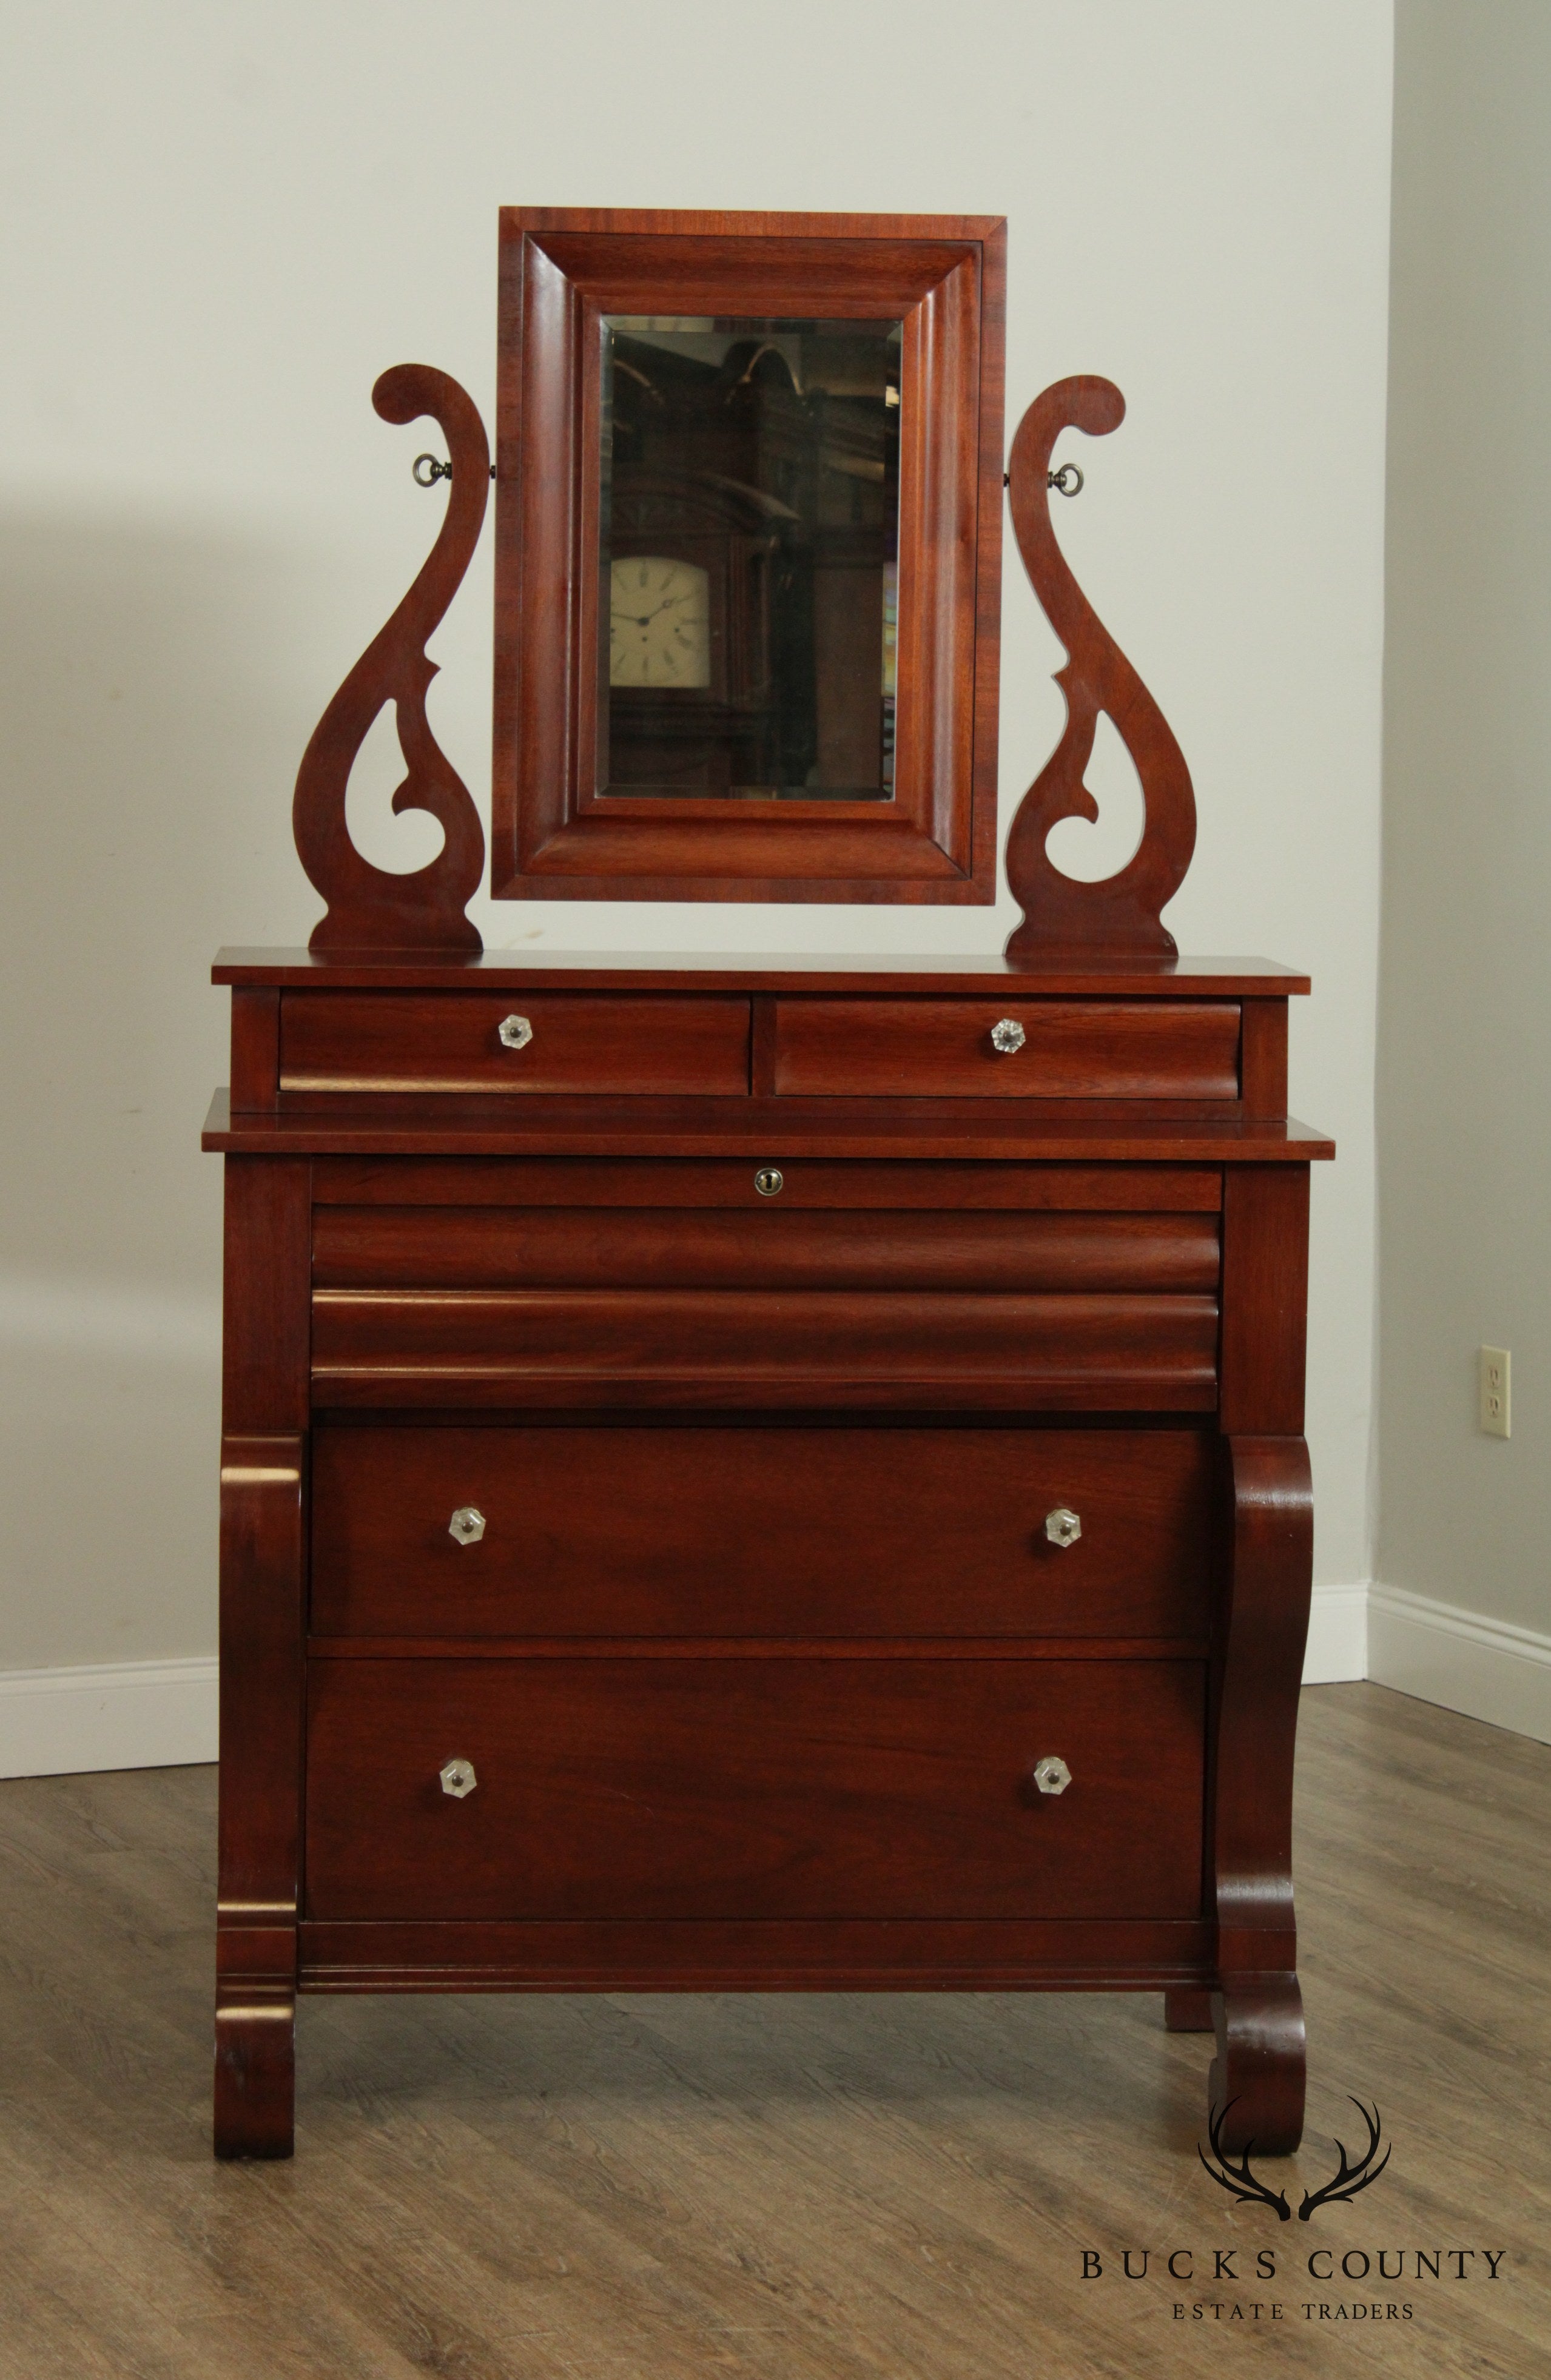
[[766, 1475]]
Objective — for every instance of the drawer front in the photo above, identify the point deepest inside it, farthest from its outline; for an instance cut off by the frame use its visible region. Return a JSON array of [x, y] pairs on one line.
[[896, 1185], [746, 1788], [619, 1532], [763, 1246], [1028, 1351], [1069, 1049], [452, 1042]]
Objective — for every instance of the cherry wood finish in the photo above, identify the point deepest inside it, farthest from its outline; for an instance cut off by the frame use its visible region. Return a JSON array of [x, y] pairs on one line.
[[747, 1649], [1098, 1049], [262, 1563], [771, 1247], [720, 1533], [1106, 975], [255, 1047], [1267, 1567], [763, 1635], [263, 1445], [369, 907], [771, 1955], [1061, 1352], [775, 1789], [451, 1041], [1263, 1057], [1058, 1134], [1266, 1268], [1123, 910], [562, 270], [946, 1191]]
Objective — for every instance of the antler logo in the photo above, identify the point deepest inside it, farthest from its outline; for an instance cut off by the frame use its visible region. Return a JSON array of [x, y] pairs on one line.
[[1341, 2190]]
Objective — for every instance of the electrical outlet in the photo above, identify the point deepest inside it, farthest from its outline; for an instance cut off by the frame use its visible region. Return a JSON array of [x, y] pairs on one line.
[[1495, 1378]]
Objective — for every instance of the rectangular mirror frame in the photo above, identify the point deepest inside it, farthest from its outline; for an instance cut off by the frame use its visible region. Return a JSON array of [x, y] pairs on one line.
[[553, 836]]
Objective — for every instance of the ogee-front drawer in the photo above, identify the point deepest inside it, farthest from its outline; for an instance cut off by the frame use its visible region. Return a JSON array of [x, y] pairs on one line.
[[1030, 1351], [487, 1041], [720, 1532], [764, 1245], [1023, 1049]]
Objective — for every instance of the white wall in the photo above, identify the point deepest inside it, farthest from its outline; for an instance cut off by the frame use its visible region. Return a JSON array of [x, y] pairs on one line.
[[1465, 1115], [220, 223]]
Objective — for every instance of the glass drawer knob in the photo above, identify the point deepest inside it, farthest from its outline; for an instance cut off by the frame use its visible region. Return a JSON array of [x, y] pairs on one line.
[[1051, 1775], [770, 1181], [1007, 1035], [516, 1032], [467, 1525], [459, 1780], [1063, 1526]]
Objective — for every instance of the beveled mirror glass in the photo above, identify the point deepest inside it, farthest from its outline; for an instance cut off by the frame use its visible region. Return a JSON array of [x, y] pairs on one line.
[[749, 559], [748, 519]]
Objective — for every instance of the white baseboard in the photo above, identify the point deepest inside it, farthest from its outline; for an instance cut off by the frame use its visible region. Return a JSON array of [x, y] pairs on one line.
[[1337, 1646], [1462, 1660], [107, 1715], [1485, 1668], [162, 1714]]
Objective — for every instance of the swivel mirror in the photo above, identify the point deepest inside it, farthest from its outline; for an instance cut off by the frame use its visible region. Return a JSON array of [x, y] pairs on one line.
[[748, 550]]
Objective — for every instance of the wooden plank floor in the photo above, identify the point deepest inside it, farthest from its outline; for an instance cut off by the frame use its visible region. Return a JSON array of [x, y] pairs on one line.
[[796, 2189]]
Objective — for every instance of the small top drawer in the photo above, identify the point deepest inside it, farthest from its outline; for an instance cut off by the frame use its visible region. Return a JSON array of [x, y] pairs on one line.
[[495, 1041], [1016, 1049]]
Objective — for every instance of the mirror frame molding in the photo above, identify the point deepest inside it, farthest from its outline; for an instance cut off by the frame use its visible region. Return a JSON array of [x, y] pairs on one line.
[[554, 835]]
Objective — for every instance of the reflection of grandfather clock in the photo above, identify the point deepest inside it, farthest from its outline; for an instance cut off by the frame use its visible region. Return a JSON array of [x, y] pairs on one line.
[[660, 624], [704, 579]]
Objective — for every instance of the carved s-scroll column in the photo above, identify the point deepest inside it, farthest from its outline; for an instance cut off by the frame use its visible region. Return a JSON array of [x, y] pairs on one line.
[[1122, 913], [1267, 1567], [371, 908], [1258, 2074]]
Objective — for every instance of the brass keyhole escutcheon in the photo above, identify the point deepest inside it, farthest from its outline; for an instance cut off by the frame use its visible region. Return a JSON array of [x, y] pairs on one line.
[[770, 1181]]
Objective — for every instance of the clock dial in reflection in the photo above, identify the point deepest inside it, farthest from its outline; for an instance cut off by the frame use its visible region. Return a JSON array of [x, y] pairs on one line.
[[659, 622]]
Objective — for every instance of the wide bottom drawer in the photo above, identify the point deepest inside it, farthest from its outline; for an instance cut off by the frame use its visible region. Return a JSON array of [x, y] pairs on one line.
[[754, 1787]]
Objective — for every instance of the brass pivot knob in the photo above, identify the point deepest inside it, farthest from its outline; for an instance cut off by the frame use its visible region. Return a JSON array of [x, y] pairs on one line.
[[1051, 1774], [515, 1032], [1063, 1526], [467, 1525], [1007, 1035], [770, 1181], [459, 1780]]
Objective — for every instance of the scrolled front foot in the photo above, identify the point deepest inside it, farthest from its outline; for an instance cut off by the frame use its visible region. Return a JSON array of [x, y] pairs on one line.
[[1257, 2077], [255, 2070]]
